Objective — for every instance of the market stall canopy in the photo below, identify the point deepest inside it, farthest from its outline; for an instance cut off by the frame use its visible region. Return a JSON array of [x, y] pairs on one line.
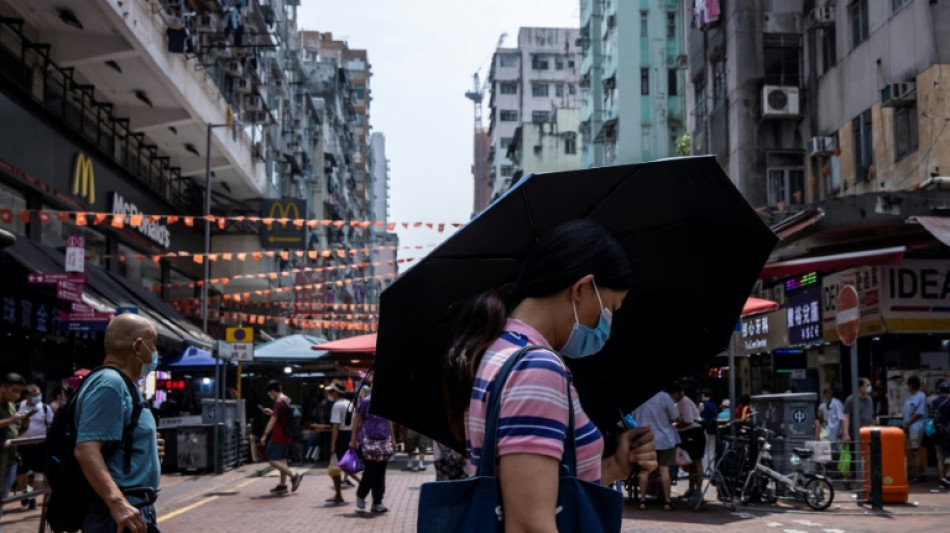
[[193, 357], [939, 227], [758, 305], [290, 348], [883, 256], [365, 344]]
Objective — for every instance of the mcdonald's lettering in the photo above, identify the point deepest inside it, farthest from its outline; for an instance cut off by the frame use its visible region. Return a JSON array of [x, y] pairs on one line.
[[283, 211], [277, 232], [84, 178]]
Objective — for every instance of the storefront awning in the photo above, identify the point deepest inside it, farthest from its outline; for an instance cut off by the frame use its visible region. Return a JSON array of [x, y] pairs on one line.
[[939, 227], [798, 222], [290, 348], [758, 305], [357, 344], [883, 256]]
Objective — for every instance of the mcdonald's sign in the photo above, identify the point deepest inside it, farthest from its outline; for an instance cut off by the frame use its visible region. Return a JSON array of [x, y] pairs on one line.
[[278, 230], [84, 178]]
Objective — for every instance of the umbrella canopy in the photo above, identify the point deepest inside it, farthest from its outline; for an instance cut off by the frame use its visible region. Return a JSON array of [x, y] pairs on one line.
[[364, 344], [696, 248], [758, 305], [290, 348], [193, 357]]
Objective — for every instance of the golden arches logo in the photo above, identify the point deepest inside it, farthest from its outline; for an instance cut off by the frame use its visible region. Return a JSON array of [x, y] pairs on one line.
[[282, 211], [84, 178]]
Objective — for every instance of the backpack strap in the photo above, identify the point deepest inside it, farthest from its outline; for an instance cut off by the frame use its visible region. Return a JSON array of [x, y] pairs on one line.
[[127, 432]]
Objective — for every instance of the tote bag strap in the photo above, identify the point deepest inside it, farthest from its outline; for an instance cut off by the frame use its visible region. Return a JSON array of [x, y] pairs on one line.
[[486, 463]]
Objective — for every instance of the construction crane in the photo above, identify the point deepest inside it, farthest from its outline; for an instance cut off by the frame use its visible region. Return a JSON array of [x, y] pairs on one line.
[[477, 94]]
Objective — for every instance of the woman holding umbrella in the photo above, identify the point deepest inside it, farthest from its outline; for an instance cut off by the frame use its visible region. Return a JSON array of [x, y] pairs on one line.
[[563, 300]]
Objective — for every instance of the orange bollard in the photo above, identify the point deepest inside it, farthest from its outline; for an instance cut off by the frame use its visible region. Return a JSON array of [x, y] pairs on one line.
[[894, 463]]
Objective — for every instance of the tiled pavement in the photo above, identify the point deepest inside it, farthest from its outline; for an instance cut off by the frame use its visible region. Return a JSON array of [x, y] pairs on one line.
[[239, 501]]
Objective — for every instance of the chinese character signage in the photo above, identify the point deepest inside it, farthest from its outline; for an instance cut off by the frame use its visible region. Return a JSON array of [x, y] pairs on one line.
[[804, 316], [763, 332]]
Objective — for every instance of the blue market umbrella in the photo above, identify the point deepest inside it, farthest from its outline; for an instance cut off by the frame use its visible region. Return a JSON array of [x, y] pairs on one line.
[[696, 247]]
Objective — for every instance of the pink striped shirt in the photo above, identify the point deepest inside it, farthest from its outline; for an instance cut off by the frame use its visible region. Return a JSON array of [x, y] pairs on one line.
[[534, 412]]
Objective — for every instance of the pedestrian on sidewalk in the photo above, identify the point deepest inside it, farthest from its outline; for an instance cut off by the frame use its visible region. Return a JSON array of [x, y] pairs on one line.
[[341, 423], [572, 283], [692, 437], [33, 456], [661, 415], [940, 411], [858, 411], [915, 414], [416, 444], [278, 448], [10, 388], [373, 437], [126, 477]]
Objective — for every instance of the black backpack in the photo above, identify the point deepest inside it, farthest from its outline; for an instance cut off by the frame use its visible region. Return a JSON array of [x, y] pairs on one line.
[[70, 492], [294, 419]]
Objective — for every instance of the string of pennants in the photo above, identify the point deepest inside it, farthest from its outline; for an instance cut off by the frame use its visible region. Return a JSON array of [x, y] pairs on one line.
[[351, 324], [118, 220], [284, 255], [286, 273], [241, 296], [313, 307]]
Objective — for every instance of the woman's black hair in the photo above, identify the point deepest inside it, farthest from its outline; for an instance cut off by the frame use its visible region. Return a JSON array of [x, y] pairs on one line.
[[562, 256]]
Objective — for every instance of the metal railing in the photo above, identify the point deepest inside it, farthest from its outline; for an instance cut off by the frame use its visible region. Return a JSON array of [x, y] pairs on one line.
[[26, 66], [16, 443]]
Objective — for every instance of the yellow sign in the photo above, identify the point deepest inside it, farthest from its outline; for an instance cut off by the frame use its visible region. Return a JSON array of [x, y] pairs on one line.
[[239, 334], [84, 178], [282, 211]]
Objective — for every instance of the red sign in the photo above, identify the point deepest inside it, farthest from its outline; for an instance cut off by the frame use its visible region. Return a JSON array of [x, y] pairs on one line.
[[69, 291], [46, 277], [847, 315], [95, 316]]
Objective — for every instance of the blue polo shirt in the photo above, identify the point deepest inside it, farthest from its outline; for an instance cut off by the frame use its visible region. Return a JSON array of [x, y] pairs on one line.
[[103, 409]]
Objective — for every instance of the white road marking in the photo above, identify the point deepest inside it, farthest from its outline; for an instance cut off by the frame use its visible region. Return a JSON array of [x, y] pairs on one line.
[[794, 531], [833, 530], [773, 524], [807, 523]]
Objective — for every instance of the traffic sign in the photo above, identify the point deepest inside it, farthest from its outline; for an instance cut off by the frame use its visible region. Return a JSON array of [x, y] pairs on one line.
[[224, 350], [75, 259], [234, 334], [47, 277], [242, 351], [847, 315]]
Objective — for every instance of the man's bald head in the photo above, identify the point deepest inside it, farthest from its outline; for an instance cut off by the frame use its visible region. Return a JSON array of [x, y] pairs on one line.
[[124, 329]]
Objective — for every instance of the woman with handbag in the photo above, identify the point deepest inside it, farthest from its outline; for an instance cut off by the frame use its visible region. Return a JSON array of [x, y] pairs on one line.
[[560, 306], [373, 437]]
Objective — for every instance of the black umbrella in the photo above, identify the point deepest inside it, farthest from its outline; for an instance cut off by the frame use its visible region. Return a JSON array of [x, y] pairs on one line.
[[696, 247]]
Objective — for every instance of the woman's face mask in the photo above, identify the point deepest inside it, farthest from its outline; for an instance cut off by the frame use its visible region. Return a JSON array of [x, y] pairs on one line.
[[584, 341]]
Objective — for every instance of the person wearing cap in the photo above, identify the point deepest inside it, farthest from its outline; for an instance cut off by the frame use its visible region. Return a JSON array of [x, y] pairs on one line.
[[940, 411], [339, 437], [724, 410]]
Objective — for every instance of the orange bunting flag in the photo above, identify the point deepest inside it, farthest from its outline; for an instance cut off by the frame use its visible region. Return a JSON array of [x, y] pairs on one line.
[[270, 254], [24, 215], [118, 221], [198, 258], [172, 219], [152, 219], [338, 223], [156, 259], [241, 256], [135, 220], [441, 227], [326, 222], [298, 222], [62, 215], [456, 224], [341, 253], [268, 221], [222, 223], [285, 256], [429, 225], [212, 257], [226, 256], [405, 225], [209, 218], [299, 253], [379, 223], [391, 226], [312, 254], [237, 219], [417, 224], [45, 217], [257, 256], [326, 254], [189, 221], [312, 223]]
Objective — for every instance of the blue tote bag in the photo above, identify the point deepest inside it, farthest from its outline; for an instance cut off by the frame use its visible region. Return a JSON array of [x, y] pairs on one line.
[[475, 504]]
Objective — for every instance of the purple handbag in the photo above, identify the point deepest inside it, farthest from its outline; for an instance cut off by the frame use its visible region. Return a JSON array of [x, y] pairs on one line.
[[351, 463]]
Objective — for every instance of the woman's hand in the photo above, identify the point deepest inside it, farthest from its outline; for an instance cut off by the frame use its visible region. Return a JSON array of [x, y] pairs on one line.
[[353, 442], [635, 448]]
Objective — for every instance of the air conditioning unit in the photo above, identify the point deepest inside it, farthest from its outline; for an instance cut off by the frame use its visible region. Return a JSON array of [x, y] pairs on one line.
[[901, 93], [208, 23], [779, 101], [821, 146], [235, 68], [253, 102], [243, 85], [822, 17]]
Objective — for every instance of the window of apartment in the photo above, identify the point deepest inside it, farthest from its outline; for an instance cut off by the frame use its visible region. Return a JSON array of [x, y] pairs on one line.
[[359, 92], [508, 115], [571, 89], [505, 142], [644, 81], [540, 117], [782, 58], [905, 130], [570, 145], [558, 63], [829, 51], [858, 13], [672, 81], [644, 24], [559, 89], [863, 145], [700, 109], [539, 62], [671, 24], [897, 4], [786, 186], [507, 171], [509, 88], [719, 83], [570, 63], [539, 89], [646, 138], [508, 60]]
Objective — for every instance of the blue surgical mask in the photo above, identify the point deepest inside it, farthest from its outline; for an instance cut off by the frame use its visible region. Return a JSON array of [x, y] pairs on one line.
[[584, 341], [36, 399], [867, 389], [148, 368]]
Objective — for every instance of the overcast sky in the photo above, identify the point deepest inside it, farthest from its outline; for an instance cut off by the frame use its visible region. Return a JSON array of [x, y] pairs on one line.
[[423, 54]]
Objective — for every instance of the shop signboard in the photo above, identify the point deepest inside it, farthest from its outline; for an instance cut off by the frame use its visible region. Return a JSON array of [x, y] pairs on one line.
[[763, 332], [46, 277], [917, 296], [69, 291], [867, 281], [804, 316], [278, 230], [75, 253]]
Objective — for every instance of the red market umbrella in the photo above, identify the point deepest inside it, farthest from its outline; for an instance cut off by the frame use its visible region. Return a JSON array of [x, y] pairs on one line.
[[365, 344], [758, 305]]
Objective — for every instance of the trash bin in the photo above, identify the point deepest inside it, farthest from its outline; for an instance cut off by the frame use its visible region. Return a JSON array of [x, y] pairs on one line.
[[893, 463]]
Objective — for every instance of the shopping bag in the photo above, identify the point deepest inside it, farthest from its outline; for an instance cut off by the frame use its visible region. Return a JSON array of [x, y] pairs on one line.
[[334, 467], [844, 460], [351, 463], [682, 457]]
